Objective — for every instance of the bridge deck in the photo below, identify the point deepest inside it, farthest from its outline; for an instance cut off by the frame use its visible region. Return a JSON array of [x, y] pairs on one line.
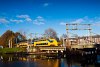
[[82, 46], [53, 48]]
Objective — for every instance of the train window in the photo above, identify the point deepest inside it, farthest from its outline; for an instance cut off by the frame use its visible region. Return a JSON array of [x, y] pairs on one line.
[[50, 40], [42, 44]]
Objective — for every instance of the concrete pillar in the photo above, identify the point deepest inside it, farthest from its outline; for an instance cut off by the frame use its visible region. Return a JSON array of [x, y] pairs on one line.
[[98, 40]]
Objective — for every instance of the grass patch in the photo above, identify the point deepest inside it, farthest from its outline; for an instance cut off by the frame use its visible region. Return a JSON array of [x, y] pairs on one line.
[[11, 50]]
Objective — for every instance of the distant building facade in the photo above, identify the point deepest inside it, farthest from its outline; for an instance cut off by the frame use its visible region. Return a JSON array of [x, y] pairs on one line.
[[84, 40]]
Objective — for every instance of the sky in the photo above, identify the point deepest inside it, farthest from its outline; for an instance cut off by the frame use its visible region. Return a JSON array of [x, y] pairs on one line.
[[35, 16]]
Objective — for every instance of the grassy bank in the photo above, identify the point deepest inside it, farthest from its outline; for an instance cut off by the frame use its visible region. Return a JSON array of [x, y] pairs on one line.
[[11, 50]]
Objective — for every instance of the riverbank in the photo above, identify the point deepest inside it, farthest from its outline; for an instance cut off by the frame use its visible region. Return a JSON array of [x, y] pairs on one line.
[[10, 50]]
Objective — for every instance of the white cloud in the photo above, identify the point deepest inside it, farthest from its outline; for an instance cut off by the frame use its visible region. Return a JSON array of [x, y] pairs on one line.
[[39, 21], [16, 21], [22, 16], [96, 23], [45, 4], [3, 20], [62, 23], [78, 21], [39, 17], [26, 17], [85, 20]]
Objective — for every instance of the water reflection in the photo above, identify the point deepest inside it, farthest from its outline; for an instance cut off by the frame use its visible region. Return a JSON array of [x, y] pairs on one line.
[[43, 61]]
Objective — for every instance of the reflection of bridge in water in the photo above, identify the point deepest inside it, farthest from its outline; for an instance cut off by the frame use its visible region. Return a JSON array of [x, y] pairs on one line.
[[38, 61]]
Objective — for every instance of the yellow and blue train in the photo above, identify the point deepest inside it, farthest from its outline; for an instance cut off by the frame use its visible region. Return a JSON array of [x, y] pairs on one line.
[[41, 43], [46, 42]]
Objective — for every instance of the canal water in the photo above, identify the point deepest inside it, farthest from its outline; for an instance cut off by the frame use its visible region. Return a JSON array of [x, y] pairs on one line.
[[43, 61]]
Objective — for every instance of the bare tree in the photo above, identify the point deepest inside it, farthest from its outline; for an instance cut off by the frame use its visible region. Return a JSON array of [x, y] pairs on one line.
[[50, 33], [62, 38], [20, 37]]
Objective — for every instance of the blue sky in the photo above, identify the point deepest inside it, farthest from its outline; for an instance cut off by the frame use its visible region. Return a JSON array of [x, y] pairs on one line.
[[34, 16]]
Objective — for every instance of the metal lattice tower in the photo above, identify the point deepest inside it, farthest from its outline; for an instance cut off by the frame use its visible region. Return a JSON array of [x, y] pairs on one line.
[[76, 26]]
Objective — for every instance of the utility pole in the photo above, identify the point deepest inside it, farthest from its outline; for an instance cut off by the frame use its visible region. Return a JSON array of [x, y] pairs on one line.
[[44, 36], [90, 33], [36, 34], [67, 29], [31, 37]]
